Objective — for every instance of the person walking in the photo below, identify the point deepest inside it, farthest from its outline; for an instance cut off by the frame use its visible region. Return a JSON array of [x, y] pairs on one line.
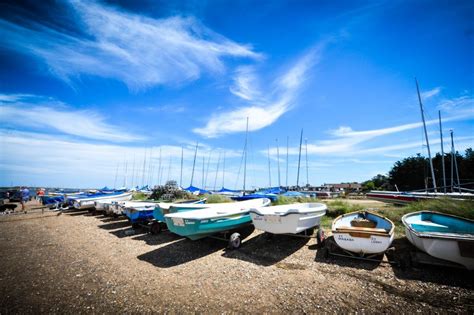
[[25, 196]]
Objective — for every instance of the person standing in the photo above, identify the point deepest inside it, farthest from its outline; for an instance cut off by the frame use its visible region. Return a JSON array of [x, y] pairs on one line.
[[25, 196]]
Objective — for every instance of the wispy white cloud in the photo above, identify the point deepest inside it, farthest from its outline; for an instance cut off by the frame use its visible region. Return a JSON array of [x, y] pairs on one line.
[[46, 113], [430, 93], [348, 142], [262, 108], [27, 156], [140, 51], [464, 103]]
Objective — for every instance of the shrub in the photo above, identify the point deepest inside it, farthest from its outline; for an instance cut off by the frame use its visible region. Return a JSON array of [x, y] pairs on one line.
[[217, 199]]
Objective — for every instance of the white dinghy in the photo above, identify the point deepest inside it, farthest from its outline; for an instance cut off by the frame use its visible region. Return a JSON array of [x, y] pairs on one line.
[[288, 219], [363, 233], [443, 236]]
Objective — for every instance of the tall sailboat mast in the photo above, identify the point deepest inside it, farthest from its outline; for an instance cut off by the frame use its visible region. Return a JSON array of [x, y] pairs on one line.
[[143, 171], [454, 163], [269, 169], [194, 163], [223, 171], [181, 173], [426, 137], [307, 167], [217, 170], [133, 171], [287, 145], [245, 153], [116, 173], [160, 172], [278, 163], [299, 161], [442, 151], [202, 178]]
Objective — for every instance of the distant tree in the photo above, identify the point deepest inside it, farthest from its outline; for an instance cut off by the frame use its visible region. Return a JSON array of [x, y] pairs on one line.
[[412, 172], [368, 185]]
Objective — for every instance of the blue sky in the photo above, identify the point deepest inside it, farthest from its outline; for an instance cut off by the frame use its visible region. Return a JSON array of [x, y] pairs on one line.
[[88, 87]]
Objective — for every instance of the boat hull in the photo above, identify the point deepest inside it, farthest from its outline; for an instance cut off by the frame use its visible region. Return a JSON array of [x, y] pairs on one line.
[[363, 241], [89, 203], [195, 229], [288, 219], [139, 215], [450, 246]]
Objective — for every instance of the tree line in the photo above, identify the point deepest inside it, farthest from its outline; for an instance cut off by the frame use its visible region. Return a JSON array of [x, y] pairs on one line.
[[413, 173]]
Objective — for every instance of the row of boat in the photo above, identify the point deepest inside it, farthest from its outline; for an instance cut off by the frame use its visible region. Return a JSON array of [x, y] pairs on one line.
[[361, 233]]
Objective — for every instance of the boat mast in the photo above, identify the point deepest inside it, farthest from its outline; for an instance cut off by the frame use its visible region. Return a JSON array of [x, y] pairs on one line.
[[307, 168], [125, 177], [299, 161], [194, 163], [143, 171], [245, 152], [426, 136], [207, 168], [223, 171], [150, 163], [287, 144], [133, 171], [160, 172], [116, 173], [442, 151], [181, 173], [278, 163], [169, 170], [217, 170], [202, 179], [269, 169], [455, 163]]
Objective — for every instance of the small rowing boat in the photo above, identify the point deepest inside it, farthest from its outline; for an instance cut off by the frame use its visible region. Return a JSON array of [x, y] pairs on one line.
[[443, 236], [363, 232], [288, 219]]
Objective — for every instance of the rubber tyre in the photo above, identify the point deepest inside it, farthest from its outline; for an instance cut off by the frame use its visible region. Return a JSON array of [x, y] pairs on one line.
[[235, 241], [155, 228]]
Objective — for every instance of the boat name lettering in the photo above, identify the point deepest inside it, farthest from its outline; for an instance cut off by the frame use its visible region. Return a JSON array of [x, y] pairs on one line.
[[344, 238], [373, 240]]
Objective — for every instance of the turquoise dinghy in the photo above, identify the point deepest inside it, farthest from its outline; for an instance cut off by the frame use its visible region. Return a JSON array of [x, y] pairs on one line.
[[197, 224], [442, 236]]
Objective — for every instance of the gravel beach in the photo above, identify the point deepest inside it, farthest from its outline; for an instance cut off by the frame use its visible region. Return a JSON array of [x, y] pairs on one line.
[[82, 263]]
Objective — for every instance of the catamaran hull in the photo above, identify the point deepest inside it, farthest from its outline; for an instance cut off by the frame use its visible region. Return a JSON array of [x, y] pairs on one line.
[[457, 251], [292, 223], [195, 229]]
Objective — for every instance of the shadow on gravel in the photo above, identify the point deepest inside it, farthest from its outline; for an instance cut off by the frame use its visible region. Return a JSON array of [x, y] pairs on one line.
[[74, 213], [164, 237], [111, 219], [266, 249], [128, 232], [182, 251], [443, 275], [115, 225], [330, 255]]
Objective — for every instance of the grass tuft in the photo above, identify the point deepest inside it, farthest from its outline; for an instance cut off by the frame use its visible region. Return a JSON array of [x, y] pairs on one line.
[[217, 199]]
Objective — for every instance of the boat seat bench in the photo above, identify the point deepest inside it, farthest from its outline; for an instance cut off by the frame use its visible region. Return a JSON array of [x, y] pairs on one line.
[[361, 229]]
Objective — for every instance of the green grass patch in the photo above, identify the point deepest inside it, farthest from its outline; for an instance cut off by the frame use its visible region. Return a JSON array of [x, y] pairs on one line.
[[339, 207], [282, 200], [139, 196], [217, 199]]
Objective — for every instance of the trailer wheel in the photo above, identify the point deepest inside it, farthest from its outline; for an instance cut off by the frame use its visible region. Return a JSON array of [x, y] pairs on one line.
[[320, 237], [135, 225], [234, 241], [155, 228]]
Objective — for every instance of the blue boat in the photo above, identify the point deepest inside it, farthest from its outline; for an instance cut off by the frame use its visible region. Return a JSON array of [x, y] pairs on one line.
[[140, 213], [197, 224], [442, 236]]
